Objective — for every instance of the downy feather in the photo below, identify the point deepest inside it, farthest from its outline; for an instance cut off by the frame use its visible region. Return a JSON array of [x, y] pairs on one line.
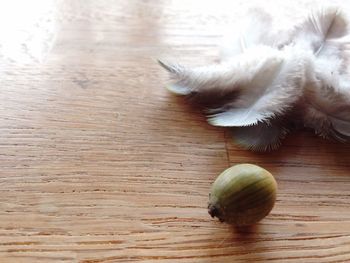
[[265, 74], [271, 93], [260, 137], [265, 82], [327, 96], [255, 28]]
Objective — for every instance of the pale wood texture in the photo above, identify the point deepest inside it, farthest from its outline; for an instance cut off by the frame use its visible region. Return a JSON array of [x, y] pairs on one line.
[[99, 163]]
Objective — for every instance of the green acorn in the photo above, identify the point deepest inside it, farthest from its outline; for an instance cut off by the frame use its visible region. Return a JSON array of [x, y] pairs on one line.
[[242, 195]]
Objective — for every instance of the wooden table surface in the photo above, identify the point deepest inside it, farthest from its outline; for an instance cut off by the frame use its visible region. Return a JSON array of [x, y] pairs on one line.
[[99, 163]]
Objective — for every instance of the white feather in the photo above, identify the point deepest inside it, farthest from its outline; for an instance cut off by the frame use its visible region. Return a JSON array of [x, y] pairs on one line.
[[327, 95], [178, 89], [260, 137], [256, 28], [265, 73], [244, 34], [270, 93]]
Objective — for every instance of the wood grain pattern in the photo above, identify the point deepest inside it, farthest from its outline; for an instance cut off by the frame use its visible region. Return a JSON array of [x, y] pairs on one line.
[[100, 164]]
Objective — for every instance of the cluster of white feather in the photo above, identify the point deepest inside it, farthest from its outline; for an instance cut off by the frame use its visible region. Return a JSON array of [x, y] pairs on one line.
[[269, 82]]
